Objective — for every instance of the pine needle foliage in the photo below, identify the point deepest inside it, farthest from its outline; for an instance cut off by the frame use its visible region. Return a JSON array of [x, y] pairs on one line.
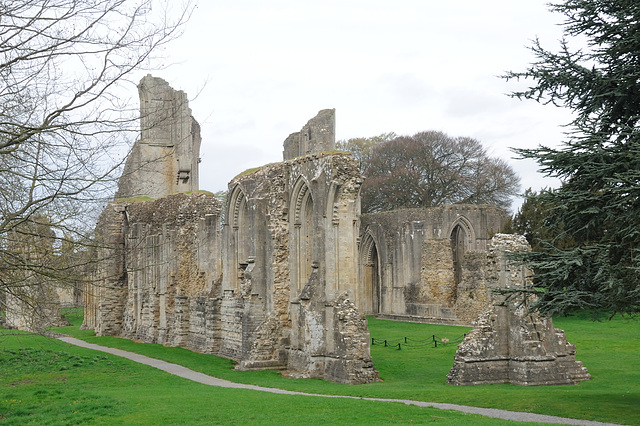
[[598, 203]]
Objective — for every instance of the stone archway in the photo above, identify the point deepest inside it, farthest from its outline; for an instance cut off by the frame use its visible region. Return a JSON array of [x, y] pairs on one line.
[[462, 239], [371, 277]]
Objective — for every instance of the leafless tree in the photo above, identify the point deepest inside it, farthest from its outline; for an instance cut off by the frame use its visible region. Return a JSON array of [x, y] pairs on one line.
[[362, 148], [65, 125], [430, 169]]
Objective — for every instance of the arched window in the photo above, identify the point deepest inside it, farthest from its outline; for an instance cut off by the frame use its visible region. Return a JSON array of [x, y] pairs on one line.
[[462, 236], [458, 237], [303, 230], [240, 232]]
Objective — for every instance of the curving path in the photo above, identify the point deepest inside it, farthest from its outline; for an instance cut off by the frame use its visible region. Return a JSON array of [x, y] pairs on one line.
[[186, 373]]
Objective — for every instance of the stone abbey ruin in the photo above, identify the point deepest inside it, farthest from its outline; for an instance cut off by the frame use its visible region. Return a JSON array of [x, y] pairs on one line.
[[281, 276]]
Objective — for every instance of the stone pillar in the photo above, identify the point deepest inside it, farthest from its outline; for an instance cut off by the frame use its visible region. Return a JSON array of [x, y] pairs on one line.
[[508, 344]]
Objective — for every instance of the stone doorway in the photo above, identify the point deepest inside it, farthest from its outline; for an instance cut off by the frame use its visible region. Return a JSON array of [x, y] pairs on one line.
[[371, 278]]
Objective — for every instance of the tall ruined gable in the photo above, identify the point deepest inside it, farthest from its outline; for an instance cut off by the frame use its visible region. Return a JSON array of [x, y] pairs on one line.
[[290, 270], [165, 159]]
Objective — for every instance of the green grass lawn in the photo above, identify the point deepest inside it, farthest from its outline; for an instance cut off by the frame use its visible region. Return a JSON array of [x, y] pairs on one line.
[[44, 381], [119, 391]]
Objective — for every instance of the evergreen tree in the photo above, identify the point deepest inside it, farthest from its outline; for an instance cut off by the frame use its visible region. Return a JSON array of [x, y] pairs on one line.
[[532, 221], [598, 204]]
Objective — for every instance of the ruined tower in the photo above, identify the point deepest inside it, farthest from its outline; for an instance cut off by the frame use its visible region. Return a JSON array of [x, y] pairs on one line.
[[165, 159], [316, 136]]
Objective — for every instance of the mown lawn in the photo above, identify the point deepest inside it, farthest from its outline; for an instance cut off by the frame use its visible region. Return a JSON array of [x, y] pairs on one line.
[[44, 381], [609, 349]]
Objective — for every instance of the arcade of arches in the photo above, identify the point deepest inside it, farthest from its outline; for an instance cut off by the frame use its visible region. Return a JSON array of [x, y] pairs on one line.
[[282, 278], [423, 264]]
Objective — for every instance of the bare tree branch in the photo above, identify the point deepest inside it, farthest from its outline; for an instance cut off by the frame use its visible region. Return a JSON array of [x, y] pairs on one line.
[[65, 127]]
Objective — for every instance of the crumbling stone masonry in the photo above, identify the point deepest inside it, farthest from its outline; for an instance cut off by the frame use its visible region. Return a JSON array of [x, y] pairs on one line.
[[159, 269], [273, 287], [283, 280], [36, 293], [318, 135], [290, 266], [507, 344], [427, 264], [290, 263]]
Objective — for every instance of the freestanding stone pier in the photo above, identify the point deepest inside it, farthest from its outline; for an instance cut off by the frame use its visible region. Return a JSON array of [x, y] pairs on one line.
[[509, 344]]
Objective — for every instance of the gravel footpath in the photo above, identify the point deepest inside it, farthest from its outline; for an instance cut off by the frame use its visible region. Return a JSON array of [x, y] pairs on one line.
[[186, 373]]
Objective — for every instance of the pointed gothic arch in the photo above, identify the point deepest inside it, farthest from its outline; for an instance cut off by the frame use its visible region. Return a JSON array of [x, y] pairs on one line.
[[302, 235], [371, 275], [238, 220], [462, 237]]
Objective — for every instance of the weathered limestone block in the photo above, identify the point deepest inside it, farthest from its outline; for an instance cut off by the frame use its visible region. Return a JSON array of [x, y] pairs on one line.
[[106, 291], [267, 350], [255, 282], [437, 273], [352, 362], [231, 325], [472, 294], [330, 339], [308, 348], [509, 345]]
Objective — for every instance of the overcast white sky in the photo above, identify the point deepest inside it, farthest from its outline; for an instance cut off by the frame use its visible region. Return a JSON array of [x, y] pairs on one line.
[[262, 69]]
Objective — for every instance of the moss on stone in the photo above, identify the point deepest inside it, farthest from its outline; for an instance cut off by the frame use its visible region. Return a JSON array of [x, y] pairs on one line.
[[139, 199], [252, 170]]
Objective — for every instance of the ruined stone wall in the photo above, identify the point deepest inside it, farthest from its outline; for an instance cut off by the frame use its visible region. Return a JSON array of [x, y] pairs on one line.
[[256, 271], [160, 265], [173, 264], [31, 275], [317, 347], [428, 262], [508, 344], [291, 236], [273, 289], [165, 159], [106, 289]]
